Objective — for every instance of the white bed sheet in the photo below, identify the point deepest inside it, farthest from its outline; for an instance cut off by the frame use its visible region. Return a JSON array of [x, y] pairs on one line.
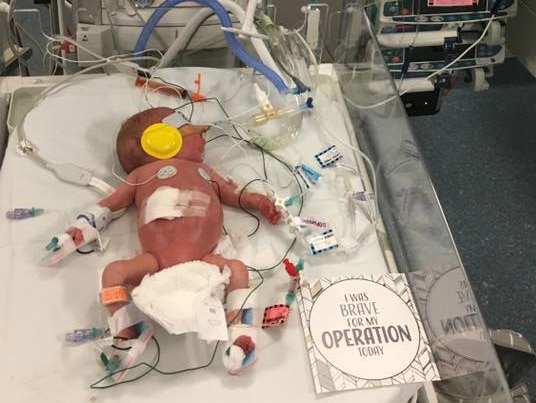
[[38, 305]]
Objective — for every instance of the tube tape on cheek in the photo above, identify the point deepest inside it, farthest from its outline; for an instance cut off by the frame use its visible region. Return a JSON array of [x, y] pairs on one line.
[[99, 217], [176, 119], [111, 295]]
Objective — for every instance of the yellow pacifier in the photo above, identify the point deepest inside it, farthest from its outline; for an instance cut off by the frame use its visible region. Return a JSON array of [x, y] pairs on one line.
[[161, 141]]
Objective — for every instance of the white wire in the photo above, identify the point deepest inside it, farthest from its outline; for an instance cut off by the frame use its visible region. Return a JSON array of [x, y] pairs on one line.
[[127, 182], [305, 11], [435, 73], [364, 156], [114, 173], [226, 153], [236, 143], [348, 168], [308, 48], [465, 51], [391, 98], [59, 86], [62, 38], [147, 90]]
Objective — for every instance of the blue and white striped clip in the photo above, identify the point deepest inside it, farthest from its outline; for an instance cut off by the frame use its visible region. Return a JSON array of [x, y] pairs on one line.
[[328, 157], [322, 243], [311, 174]]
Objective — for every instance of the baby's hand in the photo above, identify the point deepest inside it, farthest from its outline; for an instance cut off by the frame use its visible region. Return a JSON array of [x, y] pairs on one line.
[[268, 209], [62, 245], [76, 235]]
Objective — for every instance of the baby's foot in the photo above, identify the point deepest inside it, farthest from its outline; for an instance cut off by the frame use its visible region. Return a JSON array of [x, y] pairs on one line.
[[241, 353], [122, 355], [127, 333]]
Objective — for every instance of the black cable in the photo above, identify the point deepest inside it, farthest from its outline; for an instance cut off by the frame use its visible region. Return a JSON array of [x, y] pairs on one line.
[[193, 34], [247, 211], [495, 9], [218, 186], [154, 367], [141, 364], [326, 48], [264, 164], [85, 252], [184, 92], [219, 197], [251, 268]]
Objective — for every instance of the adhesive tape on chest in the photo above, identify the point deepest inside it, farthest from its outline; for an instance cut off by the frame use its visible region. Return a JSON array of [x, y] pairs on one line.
[[161, 141]]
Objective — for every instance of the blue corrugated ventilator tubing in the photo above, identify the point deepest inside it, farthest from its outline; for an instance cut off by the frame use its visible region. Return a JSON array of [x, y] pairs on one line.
[[225, 20]]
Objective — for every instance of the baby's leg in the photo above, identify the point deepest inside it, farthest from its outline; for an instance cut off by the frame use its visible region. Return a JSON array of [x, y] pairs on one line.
[[127, 272], [240, 352], [239, 277]]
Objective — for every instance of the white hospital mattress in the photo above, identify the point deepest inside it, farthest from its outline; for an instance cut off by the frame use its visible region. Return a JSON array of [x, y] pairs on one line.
[[38, 305]]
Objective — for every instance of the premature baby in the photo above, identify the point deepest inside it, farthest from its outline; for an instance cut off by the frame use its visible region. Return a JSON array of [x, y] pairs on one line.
[[179, 214]]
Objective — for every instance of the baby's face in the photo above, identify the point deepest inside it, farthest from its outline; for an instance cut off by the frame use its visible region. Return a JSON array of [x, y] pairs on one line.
[[130, 151], [193, 143]]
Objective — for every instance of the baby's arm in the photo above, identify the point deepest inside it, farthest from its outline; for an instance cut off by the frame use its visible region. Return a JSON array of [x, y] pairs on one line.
[[122, 197], [88, 223], [231, 195]]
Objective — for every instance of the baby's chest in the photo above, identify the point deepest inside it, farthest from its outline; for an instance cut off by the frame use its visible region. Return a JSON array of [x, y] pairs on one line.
[[186, 177], [182, 175]]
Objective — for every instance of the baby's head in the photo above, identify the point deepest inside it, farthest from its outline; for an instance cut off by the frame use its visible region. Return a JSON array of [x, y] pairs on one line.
[[129, 149]]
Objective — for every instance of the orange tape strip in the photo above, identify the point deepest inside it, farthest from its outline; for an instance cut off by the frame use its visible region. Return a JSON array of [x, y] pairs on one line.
[[111, 295]]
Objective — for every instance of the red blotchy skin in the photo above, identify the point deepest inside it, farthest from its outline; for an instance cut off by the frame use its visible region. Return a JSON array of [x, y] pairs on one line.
[[166, 242], [246, 343], [184, 239]]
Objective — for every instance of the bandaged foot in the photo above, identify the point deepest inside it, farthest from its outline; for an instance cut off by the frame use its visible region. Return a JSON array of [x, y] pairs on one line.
[[240, 352], [131, 332], [123, 354]]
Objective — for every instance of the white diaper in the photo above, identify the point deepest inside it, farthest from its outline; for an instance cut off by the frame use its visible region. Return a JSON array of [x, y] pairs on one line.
[[186, 298], [169, 203]]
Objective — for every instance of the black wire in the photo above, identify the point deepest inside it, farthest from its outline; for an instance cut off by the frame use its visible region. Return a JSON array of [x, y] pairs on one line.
[[262, 151], [251, 268], [218, 186], [85, 252], [330, 54], [264, 164], [220, 106], [141, 364], [184, 49], [154, 367], [247, 211], [192, 103], [183, 91], [219, 197]]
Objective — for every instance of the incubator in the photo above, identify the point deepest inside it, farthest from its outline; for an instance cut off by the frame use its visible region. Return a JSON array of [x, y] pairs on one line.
[[362, 239]]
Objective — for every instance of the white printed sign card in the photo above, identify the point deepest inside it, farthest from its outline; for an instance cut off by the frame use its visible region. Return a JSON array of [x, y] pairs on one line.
[[362, 332]]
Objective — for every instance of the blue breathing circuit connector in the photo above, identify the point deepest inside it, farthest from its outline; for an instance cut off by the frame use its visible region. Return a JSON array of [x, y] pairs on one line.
[[226, 22]]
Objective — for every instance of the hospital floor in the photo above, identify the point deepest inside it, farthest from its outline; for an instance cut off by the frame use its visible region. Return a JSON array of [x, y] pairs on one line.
[[480, 150]]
